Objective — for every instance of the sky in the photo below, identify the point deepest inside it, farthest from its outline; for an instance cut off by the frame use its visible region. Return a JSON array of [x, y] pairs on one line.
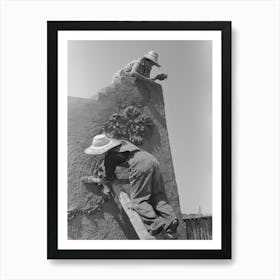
[[187, 95]]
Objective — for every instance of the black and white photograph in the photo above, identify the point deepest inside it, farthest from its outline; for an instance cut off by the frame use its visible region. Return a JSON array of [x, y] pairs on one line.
[[139, 142]]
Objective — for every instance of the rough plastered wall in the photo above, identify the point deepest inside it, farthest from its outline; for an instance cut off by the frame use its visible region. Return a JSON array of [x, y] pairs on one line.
[[86, 118]]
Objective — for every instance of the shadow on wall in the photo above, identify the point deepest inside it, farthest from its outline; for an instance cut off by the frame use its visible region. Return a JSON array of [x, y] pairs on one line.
[[153, 98], [93, 226], [86, 118], [148, 99]]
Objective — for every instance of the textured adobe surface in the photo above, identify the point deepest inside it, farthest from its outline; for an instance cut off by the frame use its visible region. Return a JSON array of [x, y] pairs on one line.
[[86, 118]]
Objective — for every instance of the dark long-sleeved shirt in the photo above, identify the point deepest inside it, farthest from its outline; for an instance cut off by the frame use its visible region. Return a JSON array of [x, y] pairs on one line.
[[112, 160], [118, 157]]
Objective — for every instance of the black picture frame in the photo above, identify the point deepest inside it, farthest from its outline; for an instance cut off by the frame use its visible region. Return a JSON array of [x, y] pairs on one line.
[[52, 192]]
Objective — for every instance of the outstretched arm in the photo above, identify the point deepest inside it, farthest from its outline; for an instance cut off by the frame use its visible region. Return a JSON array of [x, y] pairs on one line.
[[141, 77], [135, 73], [160, 77]]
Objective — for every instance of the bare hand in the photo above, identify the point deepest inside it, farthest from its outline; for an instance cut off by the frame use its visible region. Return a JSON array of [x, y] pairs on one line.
[[160, 77], [107, 192], [91, 180]]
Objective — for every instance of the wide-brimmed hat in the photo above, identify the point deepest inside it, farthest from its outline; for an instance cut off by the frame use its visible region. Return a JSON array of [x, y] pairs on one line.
[[101, 144], [153, 56]]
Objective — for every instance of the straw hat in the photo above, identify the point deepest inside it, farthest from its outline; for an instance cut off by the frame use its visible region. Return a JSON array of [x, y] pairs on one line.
[[101, 144], [153, 56]]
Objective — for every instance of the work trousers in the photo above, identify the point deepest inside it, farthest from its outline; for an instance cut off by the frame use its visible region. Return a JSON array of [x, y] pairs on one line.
[[148, 193]]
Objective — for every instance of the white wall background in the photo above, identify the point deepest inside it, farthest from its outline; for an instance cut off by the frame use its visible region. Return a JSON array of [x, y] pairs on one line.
[[256, 167]]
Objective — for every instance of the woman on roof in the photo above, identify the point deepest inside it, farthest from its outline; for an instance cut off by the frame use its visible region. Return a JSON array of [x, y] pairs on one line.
[[141, 69], [147, 190]]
